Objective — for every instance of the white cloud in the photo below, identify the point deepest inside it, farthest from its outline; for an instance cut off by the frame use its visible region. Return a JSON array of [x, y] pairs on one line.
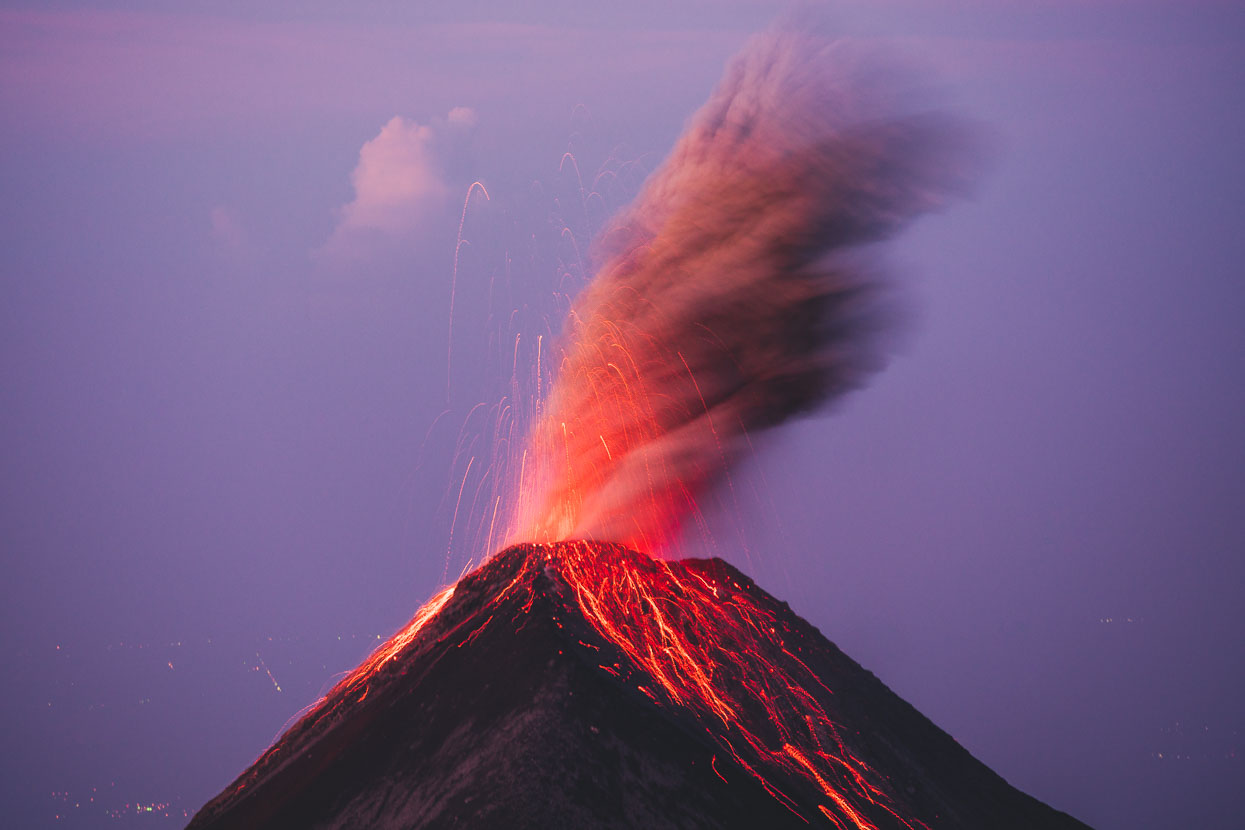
[[399, 183]]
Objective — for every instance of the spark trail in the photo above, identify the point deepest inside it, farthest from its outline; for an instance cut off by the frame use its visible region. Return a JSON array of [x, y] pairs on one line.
[[710, 646], [735, 292], [695, 637]]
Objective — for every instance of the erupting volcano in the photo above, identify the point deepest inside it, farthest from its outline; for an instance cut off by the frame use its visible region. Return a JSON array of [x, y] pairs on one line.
[[573, 683], [586, 685]]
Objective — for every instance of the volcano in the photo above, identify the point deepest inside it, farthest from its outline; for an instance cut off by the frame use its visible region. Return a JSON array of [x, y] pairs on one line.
[[584, 685]]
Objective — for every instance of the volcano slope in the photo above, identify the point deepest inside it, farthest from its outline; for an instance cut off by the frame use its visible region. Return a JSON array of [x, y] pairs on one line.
[[584, 685]]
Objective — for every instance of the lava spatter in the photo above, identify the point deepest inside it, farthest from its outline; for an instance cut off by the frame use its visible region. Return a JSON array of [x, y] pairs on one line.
[[585, 684]]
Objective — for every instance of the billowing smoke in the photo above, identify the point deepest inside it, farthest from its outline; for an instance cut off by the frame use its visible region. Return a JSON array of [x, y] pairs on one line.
[[738, 290]]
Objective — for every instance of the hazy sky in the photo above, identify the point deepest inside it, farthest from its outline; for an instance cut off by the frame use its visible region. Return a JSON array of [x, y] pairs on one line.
[[228, 240]]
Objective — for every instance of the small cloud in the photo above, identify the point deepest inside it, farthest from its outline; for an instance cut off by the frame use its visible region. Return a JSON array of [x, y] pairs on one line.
[[397, 176], [399, 183], [464, 117]]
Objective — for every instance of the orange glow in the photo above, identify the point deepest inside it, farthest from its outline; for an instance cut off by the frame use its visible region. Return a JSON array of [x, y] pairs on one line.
[[706, 643], [691, 638], [603, 460], [354, 687], [732, 296]]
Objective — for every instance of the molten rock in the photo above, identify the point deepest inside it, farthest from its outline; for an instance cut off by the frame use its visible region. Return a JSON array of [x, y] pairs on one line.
[[585, 685]]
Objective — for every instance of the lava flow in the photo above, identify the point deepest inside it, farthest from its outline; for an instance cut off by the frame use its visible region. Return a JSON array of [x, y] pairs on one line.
[[583, 684], [694, 638], [735, 294], [739, 290], [708, 645]]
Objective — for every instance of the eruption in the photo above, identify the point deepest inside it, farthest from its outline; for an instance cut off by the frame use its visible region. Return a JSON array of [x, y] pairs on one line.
[[584, 685], [736, 292]]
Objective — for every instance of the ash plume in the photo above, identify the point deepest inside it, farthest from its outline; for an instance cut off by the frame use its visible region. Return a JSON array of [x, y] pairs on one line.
[[738, 291]]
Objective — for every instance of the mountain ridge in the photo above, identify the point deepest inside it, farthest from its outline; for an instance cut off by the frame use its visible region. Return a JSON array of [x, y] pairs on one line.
[[505, 704]]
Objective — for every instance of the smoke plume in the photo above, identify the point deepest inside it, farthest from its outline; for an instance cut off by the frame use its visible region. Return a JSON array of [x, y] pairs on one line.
[[737, 291]]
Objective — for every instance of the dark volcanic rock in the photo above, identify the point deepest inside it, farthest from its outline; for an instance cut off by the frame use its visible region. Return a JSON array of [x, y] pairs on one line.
[[509, 710]]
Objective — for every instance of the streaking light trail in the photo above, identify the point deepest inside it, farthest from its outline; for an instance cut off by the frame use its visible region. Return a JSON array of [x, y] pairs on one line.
[[736, 293], [692, 637], [706, 643]]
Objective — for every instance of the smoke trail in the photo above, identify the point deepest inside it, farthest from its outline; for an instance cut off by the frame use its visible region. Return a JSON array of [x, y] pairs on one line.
[[735, 292]]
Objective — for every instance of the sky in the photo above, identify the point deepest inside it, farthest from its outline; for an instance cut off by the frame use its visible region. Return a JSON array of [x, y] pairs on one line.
[[237, 412]]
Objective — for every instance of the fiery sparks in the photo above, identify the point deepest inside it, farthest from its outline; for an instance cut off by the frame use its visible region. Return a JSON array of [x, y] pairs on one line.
[[735, 292], [733, 297], [707, 642], [689, 636]]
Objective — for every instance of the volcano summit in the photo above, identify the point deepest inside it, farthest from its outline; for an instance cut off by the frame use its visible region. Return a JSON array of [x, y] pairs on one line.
[[584, 685]]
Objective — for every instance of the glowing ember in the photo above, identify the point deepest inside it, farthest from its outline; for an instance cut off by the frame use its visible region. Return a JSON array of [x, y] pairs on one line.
[[355, 686], [711, 647], [735, 292], [689, 636], [733, 298]]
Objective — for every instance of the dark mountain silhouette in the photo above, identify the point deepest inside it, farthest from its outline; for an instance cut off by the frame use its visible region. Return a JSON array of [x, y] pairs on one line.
[[509, 708]]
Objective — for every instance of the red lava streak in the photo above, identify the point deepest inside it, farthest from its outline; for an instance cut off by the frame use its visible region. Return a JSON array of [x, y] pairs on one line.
[[740, 290], [707, 644], [734, 295], [690, 637]]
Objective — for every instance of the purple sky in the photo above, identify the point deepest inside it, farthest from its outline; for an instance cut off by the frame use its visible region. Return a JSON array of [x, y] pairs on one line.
[[228, 240]]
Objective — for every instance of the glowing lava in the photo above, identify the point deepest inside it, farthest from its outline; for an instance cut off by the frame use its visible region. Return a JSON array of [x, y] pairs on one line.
[[583, 684], [733, 296], [691, 636], [709, 645], [738, 291]]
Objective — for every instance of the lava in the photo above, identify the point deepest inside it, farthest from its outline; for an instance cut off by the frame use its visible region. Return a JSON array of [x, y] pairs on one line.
[[705, 642], [734, 296], [739, 290], [354, 687], [691, 638]]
